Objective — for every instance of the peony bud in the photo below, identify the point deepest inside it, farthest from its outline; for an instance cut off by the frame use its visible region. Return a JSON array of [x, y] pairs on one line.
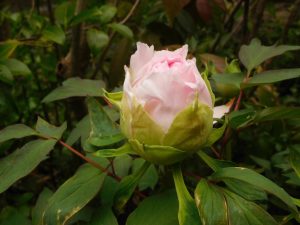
[[166, 107]]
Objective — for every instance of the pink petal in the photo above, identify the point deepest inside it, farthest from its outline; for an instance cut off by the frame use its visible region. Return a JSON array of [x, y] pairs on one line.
[[141, 57]]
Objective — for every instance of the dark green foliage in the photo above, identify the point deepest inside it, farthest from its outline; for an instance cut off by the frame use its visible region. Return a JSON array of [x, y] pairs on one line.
[[56, 58]]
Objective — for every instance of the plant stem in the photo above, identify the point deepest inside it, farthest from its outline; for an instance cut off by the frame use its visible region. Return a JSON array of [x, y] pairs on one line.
[[90, 161]]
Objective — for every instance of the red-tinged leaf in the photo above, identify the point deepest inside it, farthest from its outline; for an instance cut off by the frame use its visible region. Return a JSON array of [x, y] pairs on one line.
[[204, 10], [218, 61]]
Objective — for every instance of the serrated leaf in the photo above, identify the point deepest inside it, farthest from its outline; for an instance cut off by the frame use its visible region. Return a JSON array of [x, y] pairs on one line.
[[103, 130], [122, 29], [164, 206], [73, 195], [16, 131], [255, 53], [16, 67], [48, 130], [261, 182], [187, 213], [54, 33], [22, 161], [76, 87]]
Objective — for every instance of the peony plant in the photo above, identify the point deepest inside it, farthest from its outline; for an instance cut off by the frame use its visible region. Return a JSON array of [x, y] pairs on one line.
[[167, 108]]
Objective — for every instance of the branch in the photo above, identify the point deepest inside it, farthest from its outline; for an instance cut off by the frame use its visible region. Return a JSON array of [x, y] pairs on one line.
[[90, 161]]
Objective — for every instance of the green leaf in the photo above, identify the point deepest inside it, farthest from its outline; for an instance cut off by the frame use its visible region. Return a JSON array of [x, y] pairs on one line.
[[246, 190], [150, 178], [122, 165], [254, 54], [247, 117], [13, 216], [96, 40], [261, 182], [232, 209], [159, 209], [16, 67], [5, 74], [55, 34], [22, 161], [216, 134], [37, 212], [234, 79], [246, 212], [122, 29], [114, 97], [76, 87], [127, 187], [214, 164], [124, 149], [48, 130], [187, 213], [16, 131], [81, 130], [208, 199], [7, 48], [104, 14], [240, 117], [73, 195], [272, 76], [104, 216], [64, 12], [103, 130], [295, 158]]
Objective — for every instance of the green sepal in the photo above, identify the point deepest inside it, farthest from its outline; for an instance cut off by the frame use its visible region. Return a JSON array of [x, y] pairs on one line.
[[113, 97], [190, 128], [105, 153], [158, 154], [216, 134], [137, 124]]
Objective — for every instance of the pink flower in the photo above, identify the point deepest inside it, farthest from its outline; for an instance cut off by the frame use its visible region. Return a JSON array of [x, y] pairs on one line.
[[164, 83]]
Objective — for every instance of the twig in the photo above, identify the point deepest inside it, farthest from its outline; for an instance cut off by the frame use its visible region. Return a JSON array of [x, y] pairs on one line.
[[130, 12], [258, 15], [245, 19], [90, 161], [111, 37], [75, 44], [214, 150]]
